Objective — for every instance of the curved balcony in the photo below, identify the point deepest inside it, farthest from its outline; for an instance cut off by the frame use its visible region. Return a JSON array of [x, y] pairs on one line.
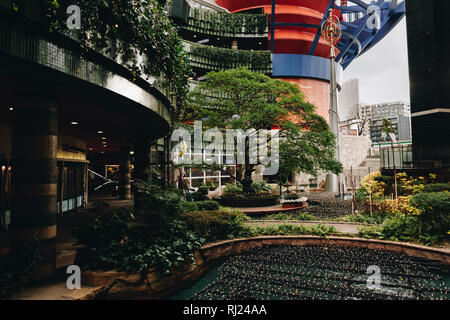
[[216, 59], [90, 87], [222, 24]]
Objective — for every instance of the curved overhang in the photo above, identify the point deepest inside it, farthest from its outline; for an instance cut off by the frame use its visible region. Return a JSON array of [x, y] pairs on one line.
[[87, 85]]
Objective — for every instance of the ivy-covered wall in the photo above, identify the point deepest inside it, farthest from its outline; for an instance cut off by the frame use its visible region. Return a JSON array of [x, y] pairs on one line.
[[214, 58], [226, 24], [218, 23]]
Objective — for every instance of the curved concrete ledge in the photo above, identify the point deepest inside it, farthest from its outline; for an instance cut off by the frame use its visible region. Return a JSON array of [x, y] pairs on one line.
[[216, 251], [157, 286]]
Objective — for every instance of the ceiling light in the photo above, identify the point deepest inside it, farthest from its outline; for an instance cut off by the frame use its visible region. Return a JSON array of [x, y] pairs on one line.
[[11, 109], [99, 131], [74, 123]]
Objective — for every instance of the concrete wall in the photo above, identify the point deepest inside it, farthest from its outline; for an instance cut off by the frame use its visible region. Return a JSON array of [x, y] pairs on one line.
[[353, 150]]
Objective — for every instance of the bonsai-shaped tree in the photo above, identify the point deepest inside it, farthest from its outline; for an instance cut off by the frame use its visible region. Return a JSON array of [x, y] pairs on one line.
[[241, 99]]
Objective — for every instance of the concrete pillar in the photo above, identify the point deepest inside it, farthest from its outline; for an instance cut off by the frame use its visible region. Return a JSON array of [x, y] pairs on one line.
[[34, 180], [124, 174], [141, 167]]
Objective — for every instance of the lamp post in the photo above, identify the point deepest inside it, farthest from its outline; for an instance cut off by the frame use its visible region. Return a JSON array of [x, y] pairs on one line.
[[331, 32]]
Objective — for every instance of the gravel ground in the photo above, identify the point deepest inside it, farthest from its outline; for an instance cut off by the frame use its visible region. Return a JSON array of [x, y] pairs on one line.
[[326, 205]]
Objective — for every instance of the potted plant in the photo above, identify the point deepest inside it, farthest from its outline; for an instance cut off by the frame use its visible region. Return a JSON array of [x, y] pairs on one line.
[[313, 182], [293, 201]]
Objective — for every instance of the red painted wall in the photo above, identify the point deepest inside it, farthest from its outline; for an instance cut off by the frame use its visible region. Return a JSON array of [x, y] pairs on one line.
[[295, 40]]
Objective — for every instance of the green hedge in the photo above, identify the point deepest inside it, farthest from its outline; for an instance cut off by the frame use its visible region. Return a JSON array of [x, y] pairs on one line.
[[436, 187], [192, 206], [226, 24], [229, 58], [216, 225], [435, 211]]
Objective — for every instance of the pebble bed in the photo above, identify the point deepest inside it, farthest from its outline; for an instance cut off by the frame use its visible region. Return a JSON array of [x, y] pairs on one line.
[[325, 273]]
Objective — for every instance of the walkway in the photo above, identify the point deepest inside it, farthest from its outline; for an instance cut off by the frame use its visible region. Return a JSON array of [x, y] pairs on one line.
[[66, 249]]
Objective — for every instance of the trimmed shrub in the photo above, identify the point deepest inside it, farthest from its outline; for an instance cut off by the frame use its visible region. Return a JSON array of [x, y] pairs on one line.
[[260, 186], [399, 227], [232, 188], [436, 187], [196, 196], [207, 205], [190, 206], [434, 212], [292, 196], [203, 190], [216, 225]]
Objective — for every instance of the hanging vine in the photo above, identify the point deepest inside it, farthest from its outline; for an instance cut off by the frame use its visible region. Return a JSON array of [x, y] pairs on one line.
[[136, 33]]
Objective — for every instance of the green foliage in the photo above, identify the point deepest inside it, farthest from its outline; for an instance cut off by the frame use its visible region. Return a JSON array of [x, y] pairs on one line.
[[159, 206], [279, 216], [376, 218], [139, 34], [223, 24], [431, 240], [289, 229], [232, 188], [370, 232], [255, 187], [203, 190], [260, 186], [399, 227], [190, 206], [197, 196], [434, 211], [361, 194], [303, 151], [224, 58], [386, 179], [436, 187], [291, 196], [216, 225], [262, 103], [115, 242], [207, 205], [395, 227], [387, 127], [16, 270], [303, 216]]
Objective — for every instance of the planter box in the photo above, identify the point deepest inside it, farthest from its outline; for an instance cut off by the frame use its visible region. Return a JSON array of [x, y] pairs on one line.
[[247, 203], [292, 205]]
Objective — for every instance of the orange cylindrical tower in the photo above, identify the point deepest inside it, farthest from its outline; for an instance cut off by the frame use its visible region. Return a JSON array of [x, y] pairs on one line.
[[300, 55]]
